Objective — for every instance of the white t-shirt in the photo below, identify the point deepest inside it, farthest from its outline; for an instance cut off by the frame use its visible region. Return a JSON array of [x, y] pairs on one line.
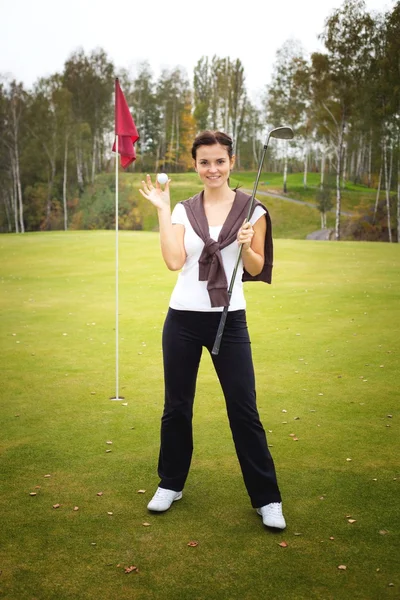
[[190, 293]]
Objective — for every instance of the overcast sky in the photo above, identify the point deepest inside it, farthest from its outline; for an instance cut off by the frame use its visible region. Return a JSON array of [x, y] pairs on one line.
[[38, 36]]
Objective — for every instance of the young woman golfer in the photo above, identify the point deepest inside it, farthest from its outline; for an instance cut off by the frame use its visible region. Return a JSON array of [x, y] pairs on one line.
[[201, 239]]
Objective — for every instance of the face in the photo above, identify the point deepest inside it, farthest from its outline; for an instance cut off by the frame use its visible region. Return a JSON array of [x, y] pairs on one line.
[[213, 165]]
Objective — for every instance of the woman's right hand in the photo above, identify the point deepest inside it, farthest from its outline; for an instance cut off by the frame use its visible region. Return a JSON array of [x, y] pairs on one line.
[[157, 196]]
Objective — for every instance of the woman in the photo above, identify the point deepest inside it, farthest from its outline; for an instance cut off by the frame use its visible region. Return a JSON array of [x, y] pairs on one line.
[[201, 239]]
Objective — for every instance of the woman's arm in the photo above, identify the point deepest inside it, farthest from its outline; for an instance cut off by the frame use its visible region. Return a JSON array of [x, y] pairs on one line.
[[171, 235], [253, 239]]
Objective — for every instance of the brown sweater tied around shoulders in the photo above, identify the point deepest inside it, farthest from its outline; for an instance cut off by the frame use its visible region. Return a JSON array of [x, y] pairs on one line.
[[211, 268]]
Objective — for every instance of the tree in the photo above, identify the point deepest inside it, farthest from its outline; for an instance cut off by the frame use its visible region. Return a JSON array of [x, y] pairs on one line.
[[393, 73], [90, 80], [282, 105], [141, 95], [202, 91], [338, 76], [13, 105], [172, 95]]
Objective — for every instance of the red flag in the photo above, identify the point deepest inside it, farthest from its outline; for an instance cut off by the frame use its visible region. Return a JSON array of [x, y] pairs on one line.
[[125, 128]]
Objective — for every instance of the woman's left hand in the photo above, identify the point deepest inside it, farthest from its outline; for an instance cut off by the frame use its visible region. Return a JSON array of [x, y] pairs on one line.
[[245, 235]]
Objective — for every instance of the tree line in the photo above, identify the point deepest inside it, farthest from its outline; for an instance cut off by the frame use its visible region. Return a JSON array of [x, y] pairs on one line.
[[343, 104]]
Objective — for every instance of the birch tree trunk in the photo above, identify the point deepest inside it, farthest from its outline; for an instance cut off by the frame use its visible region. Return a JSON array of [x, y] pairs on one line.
[[370, 161], [360, 154], [177, 139], [285, 166], [94, 150], [305, 166], [15, 156], [65, 182], [19, 192], [398, 198], [14, 194], [323, 160], [172, 140], [344, 162], [79, 167], [338, 178], [378, 191], [387, 186]]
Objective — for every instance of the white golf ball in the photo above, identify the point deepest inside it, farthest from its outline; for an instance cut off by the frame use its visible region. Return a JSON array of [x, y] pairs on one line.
[[162, 178]]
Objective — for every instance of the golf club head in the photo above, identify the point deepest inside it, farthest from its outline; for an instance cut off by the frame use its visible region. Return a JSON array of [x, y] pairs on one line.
[[282, 133]]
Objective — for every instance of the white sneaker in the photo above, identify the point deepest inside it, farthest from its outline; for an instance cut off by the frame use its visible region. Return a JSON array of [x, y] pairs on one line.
[[163, 499], [272, 515]]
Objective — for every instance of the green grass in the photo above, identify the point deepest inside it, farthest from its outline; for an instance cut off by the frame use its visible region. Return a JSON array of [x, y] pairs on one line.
[[326, 351]]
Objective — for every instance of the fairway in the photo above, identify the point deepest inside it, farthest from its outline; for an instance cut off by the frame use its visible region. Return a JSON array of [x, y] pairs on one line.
[[325, 340]]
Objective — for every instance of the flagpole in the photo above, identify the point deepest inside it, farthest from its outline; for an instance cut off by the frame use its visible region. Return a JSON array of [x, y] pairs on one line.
[[116, 278], [117, 397], [125, 137]]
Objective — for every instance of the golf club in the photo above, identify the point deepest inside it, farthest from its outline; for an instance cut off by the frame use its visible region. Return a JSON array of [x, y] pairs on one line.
[[282, 133]]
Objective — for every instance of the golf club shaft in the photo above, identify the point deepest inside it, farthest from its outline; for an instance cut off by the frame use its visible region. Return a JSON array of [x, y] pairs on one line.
[[221, 326]]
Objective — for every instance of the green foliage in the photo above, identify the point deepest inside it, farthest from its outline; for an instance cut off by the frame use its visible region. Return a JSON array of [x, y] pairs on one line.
[[370, 225], [325, 347], [324, 199]]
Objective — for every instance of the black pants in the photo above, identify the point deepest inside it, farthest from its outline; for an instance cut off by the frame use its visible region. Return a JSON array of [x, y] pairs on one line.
[[184, 335]]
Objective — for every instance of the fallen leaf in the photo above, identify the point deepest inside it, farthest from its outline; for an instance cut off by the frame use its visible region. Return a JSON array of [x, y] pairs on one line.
[[141, 491], [109, 513], [109, 442], [295, 439], [131, 569], [47, 476], [283, 545], [107, 451], [56, 505], [383, 532], [99, 493], [352, 521], [146, 524], [342, 567], [331, 538], [32, 494], [76, 508], [348, 459], [193, 544]]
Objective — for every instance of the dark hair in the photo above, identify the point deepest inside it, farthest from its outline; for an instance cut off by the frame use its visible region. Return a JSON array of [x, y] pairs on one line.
[[209, 138]]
